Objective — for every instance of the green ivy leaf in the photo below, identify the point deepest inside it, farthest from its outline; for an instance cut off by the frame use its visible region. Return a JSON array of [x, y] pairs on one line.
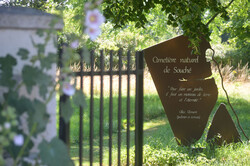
[[47, 61], [7, 61], [79, 98], [34, 59], [30, 75], [66, 110], [23, 53], [41, 49], [36, 110], [21, 104], [44, 81], [39, 116], [34, 76], [67, 59], [43, 90], [6, 67], [86, 55], [54, 153]]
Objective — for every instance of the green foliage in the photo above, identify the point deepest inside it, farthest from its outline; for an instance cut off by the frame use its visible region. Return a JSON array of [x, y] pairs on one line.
[[162, 156], [30, 75], [126, 38], [79, 99], [186, 14], [238, 26], [67, 110], [36, 110], [131, 38], [233, 154], [7, 129], [234, 34], [41, 5], [6, 66], [30, 111], [74, 16], [39, 116], [34, 76], [161, 151], [30, 114], [54, 153], [47, 61], [161, 17], [21, 104], [160, 146], [23, 53]]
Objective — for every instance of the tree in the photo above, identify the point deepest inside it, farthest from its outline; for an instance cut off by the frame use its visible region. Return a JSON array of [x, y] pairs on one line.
[[238, 26], [190, 16], [234, 33]]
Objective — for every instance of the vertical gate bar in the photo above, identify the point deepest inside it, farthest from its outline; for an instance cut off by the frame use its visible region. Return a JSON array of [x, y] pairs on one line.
[[81, 111], [128, 105], [63, 127], [139, 110], [111, 108], [91, 113], [136, 108], [119, 107], [101, 108]]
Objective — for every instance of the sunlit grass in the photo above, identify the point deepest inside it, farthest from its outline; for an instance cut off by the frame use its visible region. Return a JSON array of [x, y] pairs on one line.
[[158, 135], [159, 143]]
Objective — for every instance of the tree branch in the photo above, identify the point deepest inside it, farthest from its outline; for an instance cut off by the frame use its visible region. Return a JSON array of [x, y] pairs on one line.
[[218, 13], [227, 96]]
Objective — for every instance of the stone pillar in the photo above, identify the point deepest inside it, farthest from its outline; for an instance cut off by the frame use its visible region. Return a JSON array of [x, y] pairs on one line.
[[18, 29]]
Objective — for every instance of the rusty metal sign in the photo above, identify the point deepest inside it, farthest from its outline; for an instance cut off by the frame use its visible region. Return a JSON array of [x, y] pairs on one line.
[[222, 129], [183, 82]]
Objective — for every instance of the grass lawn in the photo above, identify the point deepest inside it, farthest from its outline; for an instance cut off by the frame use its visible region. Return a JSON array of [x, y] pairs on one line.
[[160, 147]]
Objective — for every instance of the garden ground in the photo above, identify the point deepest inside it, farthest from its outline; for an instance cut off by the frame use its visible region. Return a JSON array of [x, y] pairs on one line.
[[160, 147]]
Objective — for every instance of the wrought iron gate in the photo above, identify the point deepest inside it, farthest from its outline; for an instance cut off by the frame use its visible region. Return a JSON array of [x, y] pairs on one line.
[[123, 68]]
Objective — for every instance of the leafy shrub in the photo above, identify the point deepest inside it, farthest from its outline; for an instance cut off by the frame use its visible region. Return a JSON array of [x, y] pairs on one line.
[[233, 154], [155, 156]]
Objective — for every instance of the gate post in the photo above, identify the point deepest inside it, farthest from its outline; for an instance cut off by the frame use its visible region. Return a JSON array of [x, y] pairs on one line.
[[139, 109], [19, 27]]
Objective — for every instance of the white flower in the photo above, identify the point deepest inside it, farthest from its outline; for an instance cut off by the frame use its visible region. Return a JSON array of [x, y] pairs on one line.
[[74, 44], [94, 18], [7, 125], [93, 32], [68, 89], [18, 140], [1, 129]]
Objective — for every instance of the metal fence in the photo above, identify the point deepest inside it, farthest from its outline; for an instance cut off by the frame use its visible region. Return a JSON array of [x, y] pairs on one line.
[[111, 72]]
